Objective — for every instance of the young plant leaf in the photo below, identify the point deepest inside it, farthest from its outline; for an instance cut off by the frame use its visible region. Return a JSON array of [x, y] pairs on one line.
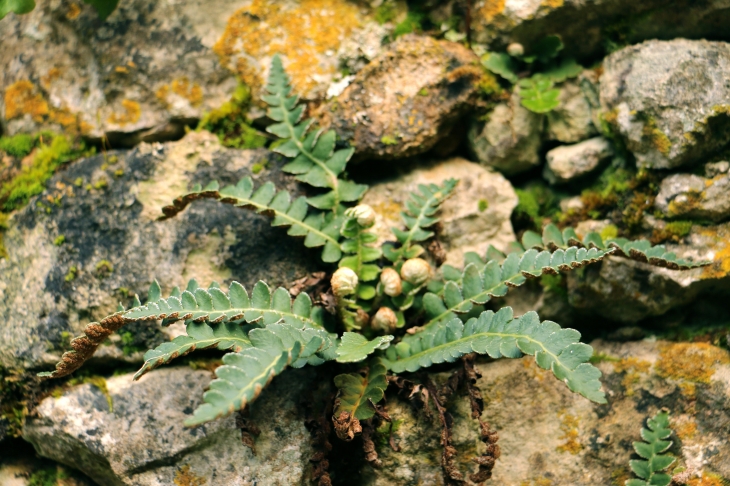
[[355, 347], [502, 64], [16, 6], [650, 468], [537, 94], [356, 391]]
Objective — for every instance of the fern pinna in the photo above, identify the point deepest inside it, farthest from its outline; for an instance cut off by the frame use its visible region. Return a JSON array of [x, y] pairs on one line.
[[378, 294]]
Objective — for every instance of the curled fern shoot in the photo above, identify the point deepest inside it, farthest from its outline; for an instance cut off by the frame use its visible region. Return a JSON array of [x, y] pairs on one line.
[[360, 253], [317, 229], [650, 468], [315, 160], [500, 335]]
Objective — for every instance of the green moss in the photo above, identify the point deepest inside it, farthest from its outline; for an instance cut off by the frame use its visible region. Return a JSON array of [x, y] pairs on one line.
[[482, 205], [423, 92], [609, 232], [128, 344], [382, 433], [388, 140], [32, 179], [412, 23], [59, 240], [554, 284], [104, 268], [603, 358], [101, 184], [386, 12], [18, 145], [536, 202], [97, 381], [79, 181], [47, 477], [230, 124], [119, 173], [72, 273]]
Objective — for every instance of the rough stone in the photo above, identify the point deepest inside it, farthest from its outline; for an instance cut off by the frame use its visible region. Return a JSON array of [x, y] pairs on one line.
[[588, 29], [693, 196], [477, 214], [717, 168], [141, 440], [404, 102], [510, 139], [549, 435], [570, 162], [669, 100], [19, 468], [105, 207], [152, 68], [572, 120], [626, 291]]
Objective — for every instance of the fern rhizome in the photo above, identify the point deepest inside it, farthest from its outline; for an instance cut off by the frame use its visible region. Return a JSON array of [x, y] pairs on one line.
[[378, 294]]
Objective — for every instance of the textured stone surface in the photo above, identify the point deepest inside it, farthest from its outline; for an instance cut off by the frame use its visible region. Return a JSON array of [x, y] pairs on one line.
[[510, 139], [406, 100], [669, 100], [142, 440], [572, 120], [464, 226], [152, 68], [693, 196], [550, 436], [42, 304], [588, 28], [570, 162]]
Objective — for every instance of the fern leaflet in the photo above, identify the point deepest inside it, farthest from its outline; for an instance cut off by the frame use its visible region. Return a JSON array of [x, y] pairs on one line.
[[650, 469], [244, 374], [318, 229], [357, 390], [359, 255], [315, 160], [501, 336], [355, 347]]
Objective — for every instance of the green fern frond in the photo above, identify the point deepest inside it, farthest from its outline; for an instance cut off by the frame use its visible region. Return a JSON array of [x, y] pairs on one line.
[[650, 469], [356, 391], [315, 160], [200, 335], [246, 373], [355, 347], [642, 250], [360, 253], [418, 217], [499, 335], [477, 286], [318, 229]]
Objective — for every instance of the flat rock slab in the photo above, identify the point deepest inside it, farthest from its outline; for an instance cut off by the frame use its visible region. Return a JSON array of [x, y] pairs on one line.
[[696, 197], [106, 208], [570, 162]]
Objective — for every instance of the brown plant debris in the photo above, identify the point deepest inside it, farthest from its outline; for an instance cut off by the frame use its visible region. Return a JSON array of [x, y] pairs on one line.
[[346, 426], [452, 475], [249, 430], [320, 429], [489, 457], [309, 282], [368, 446]]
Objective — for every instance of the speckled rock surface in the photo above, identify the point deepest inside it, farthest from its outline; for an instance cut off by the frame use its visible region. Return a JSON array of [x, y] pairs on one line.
[[152, 68], [510, 139], [142, 440], [549, 436], [589, 27], [405, 101], [693, 196], [570, 162], [114, 247], [571, 121], [475, 216], [669, 100]]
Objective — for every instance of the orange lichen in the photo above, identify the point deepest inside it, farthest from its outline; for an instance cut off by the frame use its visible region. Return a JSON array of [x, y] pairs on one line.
[[553, 3], [491, 8], [302, 34], [190, 91], [569, 427], [720, 266], [184, 477], [707, 480], [685, 427], [131, 113], [633, 367], [21, 98], [694, 362], [53, 74], [73, 11], [121, 69]]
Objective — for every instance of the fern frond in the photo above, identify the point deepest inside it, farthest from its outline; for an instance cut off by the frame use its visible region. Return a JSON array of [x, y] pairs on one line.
[[318, 229], [499, 335], [315, 160], [244, 374], [355, 347], [478, 286], [198, 305], [641, 250], [650, 469], [418, 217], [200, 335], [356, 391], [360, 253]]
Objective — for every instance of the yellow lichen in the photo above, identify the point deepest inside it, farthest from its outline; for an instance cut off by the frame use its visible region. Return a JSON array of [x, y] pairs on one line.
[[707, 480], [130, 114], [73, 11], [184, 477], [633, 367], [490, 9], [569, 427], [694, 362], [720, 266], [53, 74], [302, 34], [658, 139], [190, 91], [685, 427], [553, 3], [21, 98]]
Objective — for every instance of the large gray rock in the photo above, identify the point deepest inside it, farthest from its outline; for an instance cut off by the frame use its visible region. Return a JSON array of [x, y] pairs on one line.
[[572, 120], [152, 68], [141, 440], [589, 27], [669, 100], [475, 216], [406, 100], [569, 162], [693, 196], [113, 246], [510, 139]]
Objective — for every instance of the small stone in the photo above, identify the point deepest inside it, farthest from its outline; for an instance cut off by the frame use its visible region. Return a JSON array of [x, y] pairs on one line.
[[570, 162], [572, 120], [717, 168], [693, 196]]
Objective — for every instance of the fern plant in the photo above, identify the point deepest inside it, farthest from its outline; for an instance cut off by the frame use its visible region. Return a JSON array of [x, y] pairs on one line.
[[379, 294], [653, 462]]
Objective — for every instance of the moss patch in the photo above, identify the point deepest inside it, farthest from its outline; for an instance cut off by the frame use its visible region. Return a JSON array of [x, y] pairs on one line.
[[18, 145], [230, 123]]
